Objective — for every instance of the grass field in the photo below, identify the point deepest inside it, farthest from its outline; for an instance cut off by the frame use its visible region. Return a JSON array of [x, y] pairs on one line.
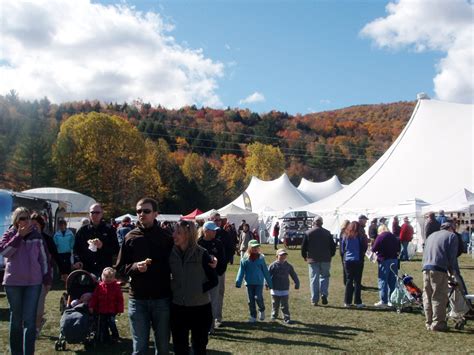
[[330, 328]]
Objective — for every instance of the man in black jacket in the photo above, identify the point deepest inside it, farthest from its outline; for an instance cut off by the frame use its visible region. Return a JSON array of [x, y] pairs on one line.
[[96, 243], [215, 248], [145, 257], [317, 250], [229, 249]]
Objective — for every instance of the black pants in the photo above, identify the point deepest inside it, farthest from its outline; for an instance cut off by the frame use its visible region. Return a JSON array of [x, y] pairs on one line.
[[196, 319], [64, 263], [353, 271], [106, 322]]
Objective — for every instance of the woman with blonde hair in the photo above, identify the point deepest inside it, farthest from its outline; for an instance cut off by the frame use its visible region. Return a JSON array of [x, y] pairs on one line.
[[26, 270], [387, 248], [192, 276]]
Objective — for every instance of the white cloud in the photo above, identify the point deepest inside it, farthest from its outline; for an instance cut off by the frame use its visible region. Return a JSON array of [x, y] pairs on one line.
[[75, 50], [254, 98], [325, 101], [441, 25]]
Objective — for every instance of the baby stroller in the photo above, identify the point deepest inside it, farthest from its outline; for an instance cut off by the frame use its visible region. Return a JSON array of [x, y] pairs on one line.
[[460, 306], [406, 295], [76, 325]]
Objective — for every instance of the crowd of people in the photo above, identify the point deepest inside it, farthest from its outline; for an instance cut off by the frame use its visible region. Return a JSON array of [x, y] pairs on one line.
[[176, 273]]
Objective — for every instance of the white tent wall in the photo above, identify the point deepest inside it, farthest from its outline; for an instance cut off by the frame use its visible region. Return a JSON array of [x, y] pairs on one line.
[[461, 201], [414, 165]]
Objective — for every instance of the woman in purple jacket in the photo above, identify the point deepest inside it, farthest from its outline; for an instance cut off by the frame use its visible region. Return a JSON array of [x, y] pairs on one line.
[[26, 269]]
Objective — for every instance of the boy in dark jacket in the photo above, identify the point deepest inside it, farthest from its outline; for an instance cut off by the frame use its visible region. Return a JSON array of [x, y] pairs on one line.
[[280, 270]]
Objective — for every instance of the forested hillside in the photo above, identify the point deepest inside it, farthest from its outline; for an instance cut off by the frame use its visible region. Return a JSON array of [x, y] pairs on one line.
[[187, 158]]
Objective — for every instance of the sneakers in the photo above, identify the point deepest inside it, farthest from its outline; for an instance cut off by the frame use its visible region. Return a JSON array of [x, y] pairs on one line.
[[324, 299], [389, 304], [360, 305], [347, 305], [261, 315], [314, 304], [252, 319], [217, 324], [380, 304], [288, 321]]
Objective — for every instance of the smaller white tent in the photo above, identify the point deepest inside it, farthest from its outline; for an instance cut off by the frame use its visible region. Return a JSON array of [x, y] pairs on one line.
[[77, 202], [277, 195], [132, 217], [234, 214], [315, 191], [461, 201]]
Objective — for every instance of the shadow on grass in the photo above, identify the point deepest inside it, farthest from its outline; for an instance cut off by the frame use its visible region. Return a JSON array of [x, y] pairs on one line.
[[238, 332], [123, 346]]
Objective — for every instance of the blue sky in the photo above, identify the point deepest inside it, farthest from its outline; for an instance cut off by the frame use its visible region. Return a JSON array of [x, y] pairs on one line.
[[302, 56], [296, 56]]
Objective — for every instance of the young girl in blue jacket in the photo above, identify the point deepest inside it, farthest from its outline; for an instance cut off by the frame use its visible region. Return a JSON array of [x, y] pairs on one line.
[[254, 270]]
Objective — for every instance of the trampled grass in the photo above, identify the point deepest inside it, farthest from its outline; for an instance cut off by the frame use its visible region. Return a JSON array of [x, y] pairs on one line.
[[330, 328]]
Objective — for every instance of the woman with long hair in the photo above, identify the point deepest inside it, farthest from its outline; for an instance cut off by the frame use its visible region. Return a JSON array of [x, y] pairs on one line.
[[342, 234], [38, 221], [26, 270], [192, 277], [353, 248]]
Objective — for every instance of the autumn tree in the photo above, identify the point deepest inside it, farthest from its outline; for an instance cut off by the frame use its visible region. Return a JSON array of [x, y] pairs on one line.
[[232, 173], [106, 157], [264, 161]]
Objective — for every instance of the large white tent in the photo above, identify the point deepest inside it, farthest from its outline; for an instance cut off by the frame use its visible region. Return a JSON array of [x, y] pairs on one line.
[[315, 191], [431, 160], [277, 195]]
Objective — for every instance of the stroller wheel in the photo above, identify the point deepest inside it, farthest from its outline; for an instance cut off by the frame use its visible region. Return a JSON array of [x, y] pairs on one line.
[[460, 325]]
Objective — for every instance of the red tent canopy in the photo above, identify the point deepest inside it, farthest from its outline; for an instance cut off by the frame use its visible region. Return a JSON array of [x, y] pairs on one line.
[[193, 214]]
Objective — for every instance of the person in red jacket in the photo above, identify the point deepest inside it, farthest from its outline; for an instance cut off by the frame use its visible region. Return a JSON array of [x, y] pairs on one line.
[[406, 235], [107, 301]]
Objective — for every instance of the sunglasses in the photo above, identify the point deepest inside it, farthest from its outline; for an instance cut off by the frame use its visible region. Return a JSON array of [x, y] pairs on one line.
[[23, 218], [145, 211], [95, 212]]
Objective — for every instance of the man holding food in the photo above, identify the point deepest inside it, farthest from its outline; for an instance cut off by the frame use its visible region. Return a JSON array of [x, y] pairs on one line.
[[96, 243], [144, 255]]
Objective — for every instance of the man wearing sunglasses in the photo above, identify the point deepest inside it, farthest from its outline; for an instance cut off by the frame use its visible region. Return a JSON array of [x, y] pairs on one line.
[[96, 243], [145, 257]]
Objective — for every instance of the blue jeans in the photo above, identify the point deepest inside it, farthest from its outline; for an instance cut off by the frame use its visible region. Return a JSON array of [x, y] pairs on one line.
[[255, 294], [23, 301], [319, 279], [404, 252], [142, 314], [387, 278]]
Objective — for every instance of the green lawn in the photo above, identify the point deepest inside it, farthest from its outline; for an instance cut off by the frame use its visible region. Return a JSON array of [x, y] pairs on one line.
[[330, 328]]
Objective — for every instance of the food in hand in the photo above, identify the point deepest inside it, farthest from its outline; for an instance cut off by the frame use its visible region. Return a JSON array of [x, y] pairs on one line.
[[148, 261]]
